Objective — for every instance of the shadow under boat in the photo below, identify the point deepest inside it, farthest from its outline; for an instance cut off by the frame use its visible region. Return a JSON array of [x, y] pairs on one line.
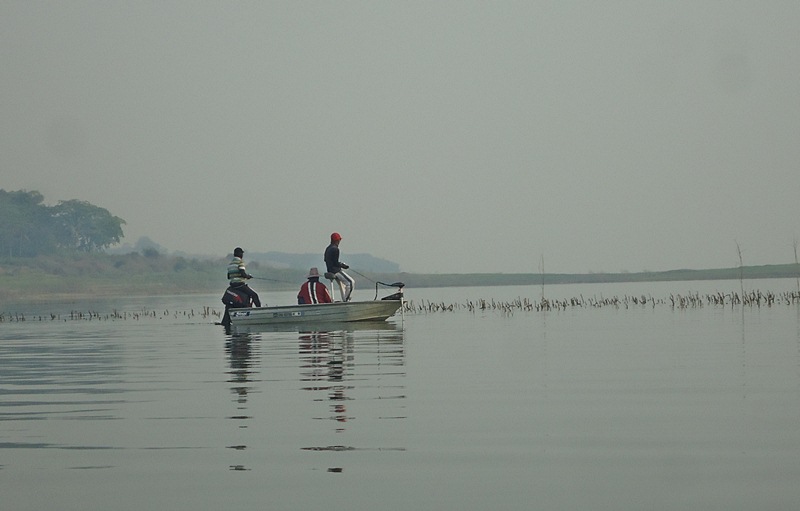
[[326, 326]]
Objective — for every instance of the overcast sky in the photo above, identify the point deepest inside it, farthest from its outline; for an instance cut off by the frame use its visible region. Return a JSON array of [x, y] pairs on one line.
[[447, 136]]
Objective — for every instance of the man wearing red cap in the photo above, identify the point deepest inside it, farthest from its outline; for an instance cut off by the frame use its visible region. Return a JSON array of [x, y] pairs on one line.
[[335, 267]]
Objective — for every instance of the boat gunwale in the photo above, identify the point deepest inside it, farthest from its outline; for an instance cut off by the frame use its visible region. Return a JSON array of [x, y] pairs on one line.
[[351, 312], [328, 304]]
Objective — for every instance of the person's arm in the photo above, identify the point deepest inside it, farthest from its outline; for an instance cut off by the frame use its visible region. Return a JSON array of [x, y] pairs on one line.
[[243, 272], [339, 265]]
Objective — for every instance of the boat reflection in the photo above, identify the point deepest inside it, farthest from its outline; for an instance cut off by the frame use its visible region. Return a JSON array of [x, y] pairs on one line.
[[323, 362], [375, 382], [240, 348], [359, 364], [303, 328]]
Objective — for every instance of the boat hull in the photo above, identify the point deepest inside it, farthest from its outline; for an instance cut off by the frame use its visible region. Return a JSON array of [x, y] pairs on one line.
[[337, 312]]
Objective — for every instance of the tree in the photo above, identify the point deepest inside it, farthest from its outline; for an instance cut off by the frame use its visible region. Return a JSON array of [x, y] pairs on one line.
[[25, 226], [86, 227], [28, 227]]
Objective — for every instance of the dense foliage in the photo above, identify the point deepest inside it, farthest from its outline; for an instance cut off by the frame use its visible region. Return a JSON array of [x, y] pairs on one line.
[[28, 227]]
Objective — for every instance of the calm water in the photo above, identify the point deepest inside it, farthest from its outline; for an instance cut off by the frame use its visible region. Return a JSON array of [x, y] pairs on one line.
[[607, 408]]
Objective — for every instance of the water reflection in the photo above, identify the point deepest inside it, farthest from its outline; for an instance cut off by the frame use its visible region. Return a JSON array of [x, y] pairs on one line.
[[359, 363], [323, 362], [321, 327], [240, 348], [341, 367]]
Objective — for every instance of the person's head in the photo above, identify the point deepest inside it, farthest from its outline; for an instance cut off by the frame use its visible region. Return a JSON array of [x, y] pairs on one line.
[[238, 252], [336, 237], [313, 273]]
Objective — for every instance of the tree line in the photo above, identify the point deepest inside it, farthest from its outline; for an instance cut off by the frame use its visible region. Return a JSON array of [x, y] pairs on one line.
[[28, 227]]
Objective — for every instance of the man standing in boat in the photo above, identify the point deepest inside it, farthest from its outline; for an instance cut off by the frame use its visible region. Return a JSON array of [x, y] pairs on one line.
[[313, 291], [237, 274], [335, 268]]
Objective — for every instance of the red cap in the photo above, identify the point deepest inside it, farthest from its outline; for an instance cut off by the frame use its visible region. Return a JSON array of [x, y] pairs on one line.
[[336, 236]]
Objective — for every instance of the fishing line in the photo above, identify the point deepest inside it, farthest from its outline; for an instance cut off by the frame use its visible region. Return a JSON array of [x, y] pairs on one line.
[[361, 274]]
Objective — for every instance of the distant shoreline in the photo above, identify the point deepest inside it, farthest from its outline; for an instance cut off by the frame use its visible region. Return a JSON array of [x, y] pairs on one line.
[[99, 275], [502, 279]]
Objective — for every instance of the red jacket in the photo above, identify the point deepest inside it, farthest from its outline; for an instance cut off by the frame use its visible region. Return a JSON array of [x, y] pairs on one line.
[[313, 291]]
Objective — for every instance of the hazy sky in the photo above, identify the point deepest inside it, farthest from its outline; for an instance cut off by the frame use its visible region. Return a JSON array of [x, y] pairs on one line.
[[447, 136]]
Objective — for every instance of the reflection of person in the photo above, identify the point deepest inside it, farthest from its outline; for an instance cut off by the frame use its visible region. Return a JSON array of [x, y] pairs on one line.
[[335, 267], [237, 274], [313, 291]]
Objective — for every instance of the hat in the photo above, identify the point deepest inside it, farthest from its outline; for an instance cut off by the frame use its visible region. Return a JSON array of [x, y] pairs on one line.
[[238, 252], [313, 272], [336, 236]]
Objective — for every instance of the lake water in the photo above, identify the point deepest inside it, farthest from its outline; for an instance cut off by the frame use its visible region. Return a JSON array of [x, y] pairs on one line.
[[146, 404]]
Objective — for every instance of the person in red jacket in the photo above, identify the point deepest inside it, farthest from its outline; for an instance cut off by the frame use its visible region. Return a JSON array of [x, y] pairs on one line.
[[313, 291]]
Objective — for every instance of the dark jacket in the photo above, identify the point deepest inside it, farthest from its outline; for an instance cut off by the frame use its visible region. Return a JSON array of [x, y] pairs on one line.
[[332, 260]]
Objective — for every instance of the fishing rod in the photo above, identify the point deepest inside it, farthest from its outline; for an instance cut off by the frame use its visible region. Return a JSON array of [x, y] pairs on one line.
[[398, 285], [272, 280]]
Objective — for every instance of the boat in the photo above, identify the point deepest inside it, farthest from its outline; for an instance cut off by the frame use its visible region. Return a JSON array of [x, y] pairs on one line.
[[336, 312], [323, 313]]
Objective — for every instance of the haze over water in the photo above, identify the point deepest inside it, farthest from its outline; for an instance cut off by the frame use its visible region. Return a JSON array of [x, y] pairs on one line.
[[448, 136], [609, 408]]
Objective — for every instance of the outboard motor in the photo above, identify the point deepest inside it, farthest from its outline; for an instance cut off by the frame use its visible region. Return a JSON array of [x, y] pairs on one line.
[[396, 296]]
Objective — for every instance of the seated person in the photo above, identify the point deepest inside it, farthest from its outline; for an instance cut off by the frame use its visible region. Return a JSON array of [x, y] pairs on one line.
[[313, 291], [238, 294], [237, 274]]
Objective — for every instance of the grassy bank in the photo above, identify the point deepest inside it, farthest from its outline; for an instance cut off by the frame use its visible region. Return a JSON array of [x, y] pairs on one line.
[[80, 275], [73, 275]]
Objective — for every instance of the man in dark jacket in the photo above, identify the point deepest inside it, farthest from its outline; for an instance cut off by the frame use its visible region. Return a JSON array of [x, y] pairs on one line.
[[336, 267]]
